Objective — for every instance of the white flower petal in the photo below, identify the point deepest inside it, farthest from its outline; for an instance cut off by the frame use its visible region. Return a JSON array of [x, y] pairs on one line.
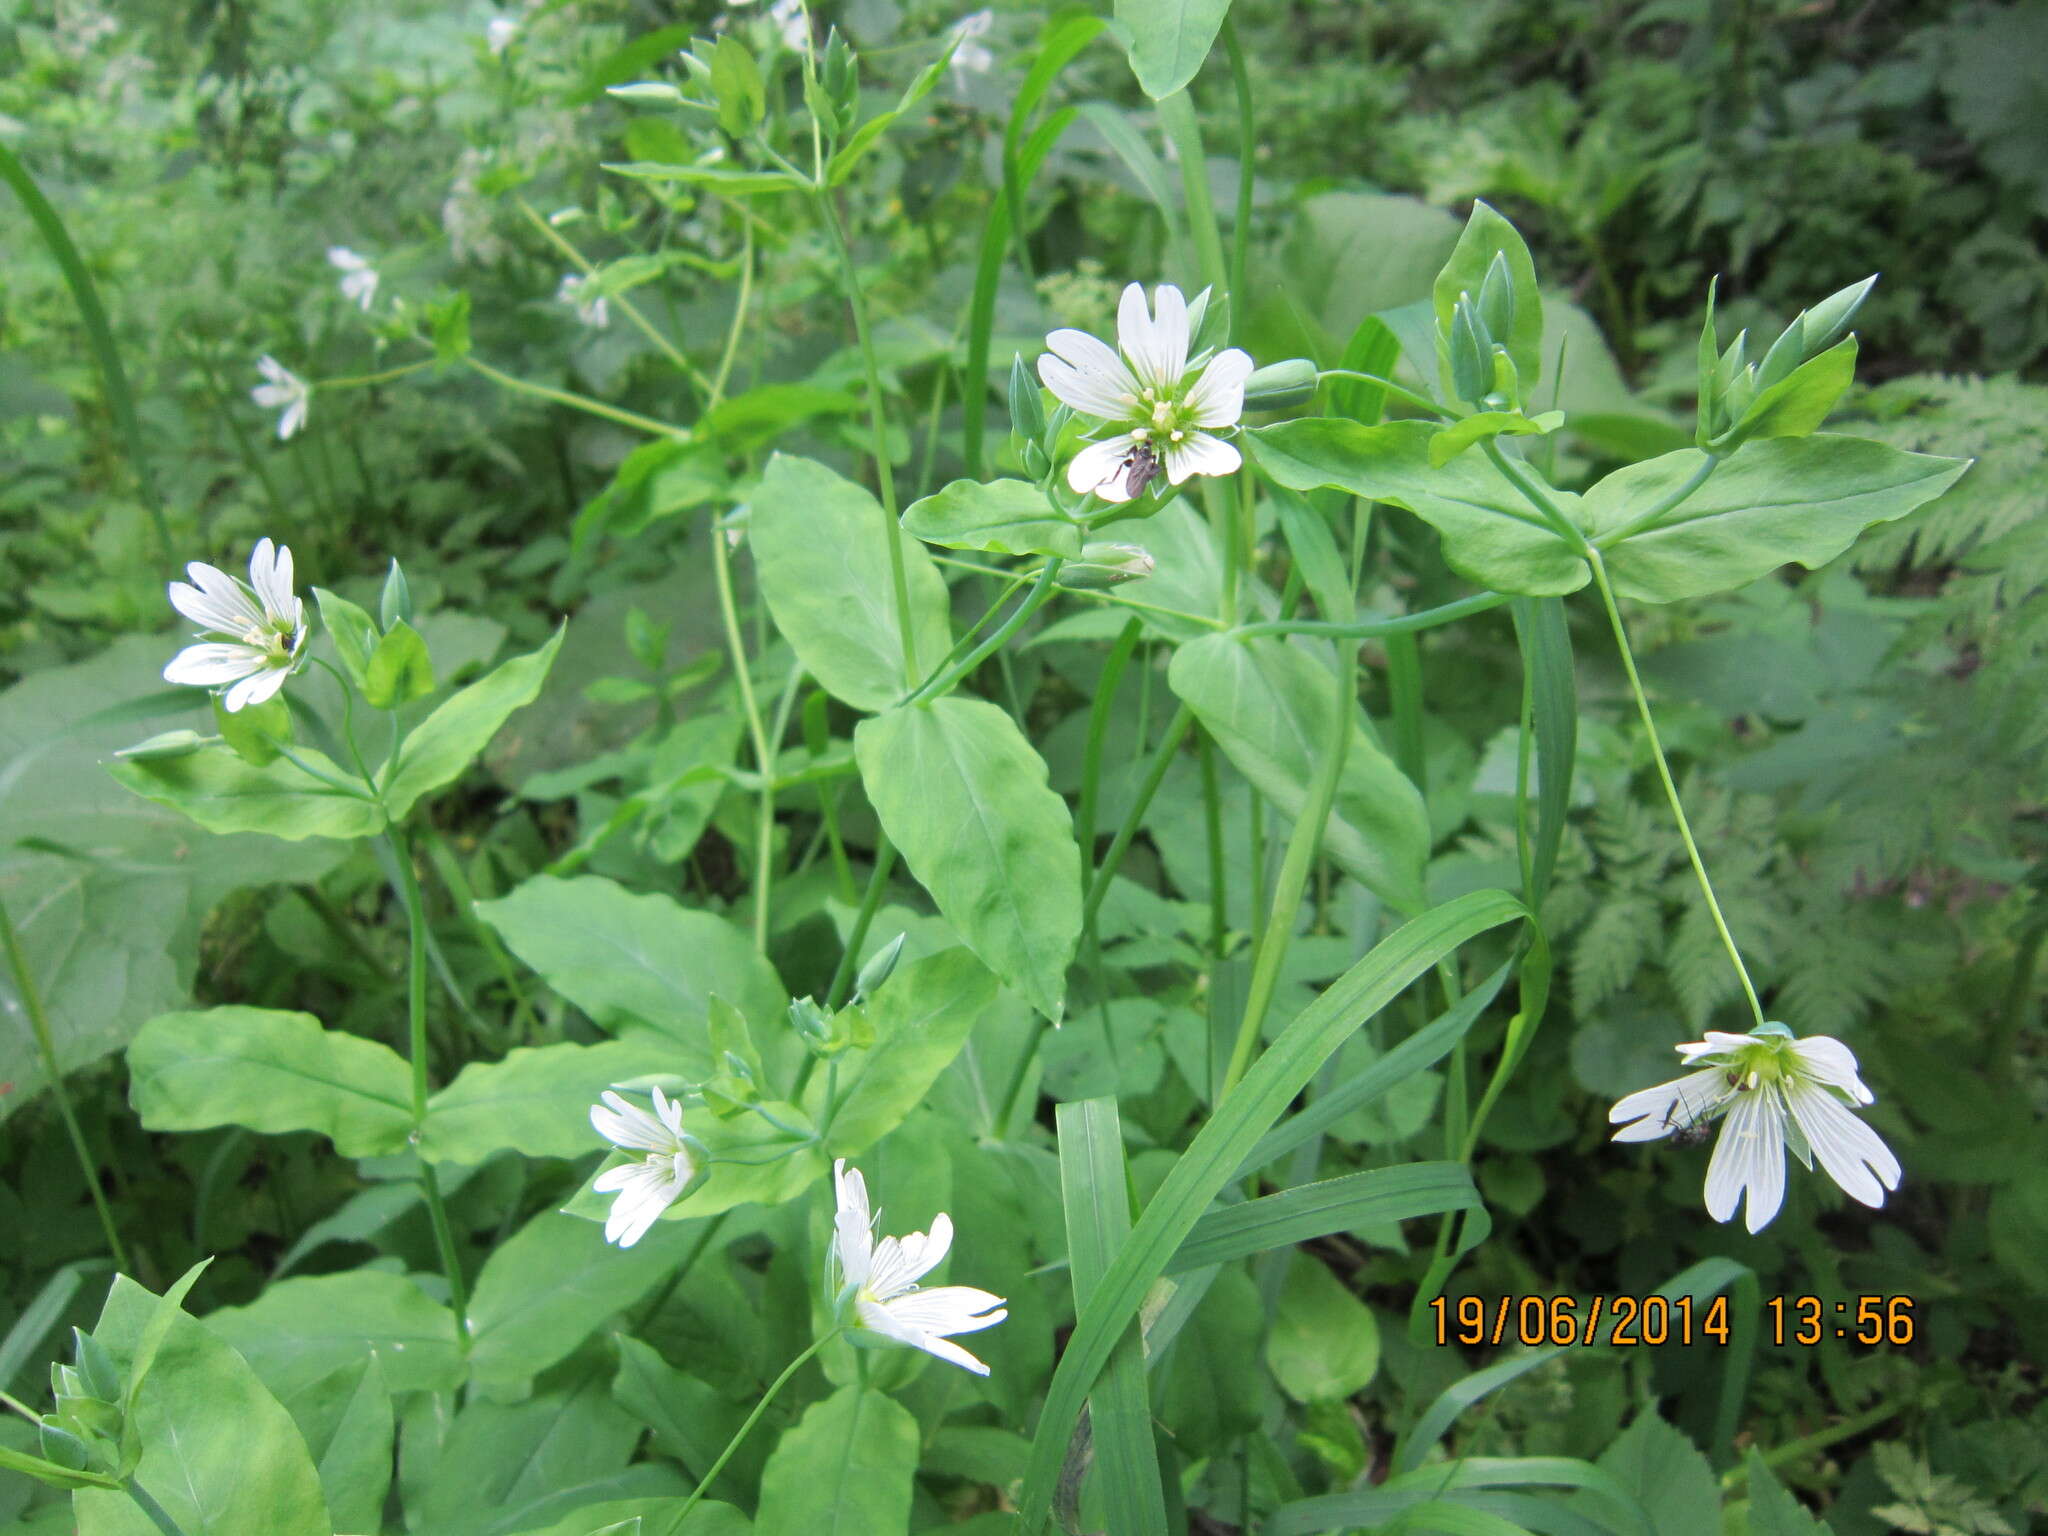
[[254, 689], [1155, 342], [293, 419], [213, 663], [209, 611], [900, 1262], [1714, 1043], [1669, 1106], [1854, 1155], [1827, 1060], [948, 1309], [627, 1125], [1200, 454], [270, 573], [1085, 374], [1217, 398], [1101, 468], [1750, 1156], [853, 1235]]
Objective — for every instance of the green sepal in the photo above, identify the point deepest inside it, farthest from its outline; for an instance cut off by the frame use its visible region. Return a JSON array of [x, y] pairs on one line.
[[400, 669], [353, 630], [395, 605], [1796, 405]]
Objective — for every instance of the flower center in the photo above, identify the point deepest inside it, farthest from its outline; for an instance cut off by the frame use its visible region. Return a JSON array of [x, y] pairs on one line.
[[1162, 417]]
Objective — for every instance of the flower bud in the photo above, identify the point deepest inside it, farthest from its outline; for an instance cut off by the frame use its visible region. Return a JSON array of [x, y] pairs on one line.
[[1027, 410], [1105, 565], [879, 968], [1468, 346], [1281, 386], [96, 1367], [1497, 299], [63, 1447], [810, 1021]]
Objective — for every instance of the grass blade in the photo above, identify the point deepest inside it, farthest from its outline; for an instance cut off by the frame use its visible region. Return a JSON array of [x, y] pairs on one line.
[[1330, 1205]]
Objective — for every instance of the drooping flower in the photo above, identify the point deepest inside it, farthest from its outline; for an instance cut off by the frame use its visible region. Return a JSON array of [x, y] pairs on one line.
[[591, 308], [878, 1281], [358, 277], [970, 57], [667, 1163], [1163, 414], [1773, 1092], [263, 620], [285, 389]]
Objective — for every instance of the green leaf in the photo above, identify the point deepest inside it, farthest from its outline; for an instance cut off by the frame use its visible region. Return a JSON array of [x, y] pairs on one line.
[[450, 739], [1663, 1469], [1004, 517], [818, 546], [725, 180], [301, 1330], [1316, 1210], [1325, 1342], [1487, 235], [1463, 433], [1267, 703], [1796, 405], [1095, 1192], [843, 1469], [255, 731], [109, 902], [400, 670], [1797, 498], [1491, 534], [555, 1282], [271, 1071], [218, 1451], [691, 1420], [223, 793], [1772, 1510], [347, 1422], [920, 1020], [1219, 1148], [635, 960], [351, 628], [736, 82], [1322, 567], [1169, 39], [535, 1102], [869, 133], [964, 796]]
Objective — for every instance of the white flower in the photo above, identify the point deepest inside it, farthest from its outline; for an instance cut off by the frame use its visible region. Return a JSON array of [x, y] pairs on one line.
[[358, 277], [264, 620], [1150, 391], [969, 56], [668, 1164], [284, 389], [1776, 1092], [880, 1280], [499, 32], [591, 308], [791, 24]]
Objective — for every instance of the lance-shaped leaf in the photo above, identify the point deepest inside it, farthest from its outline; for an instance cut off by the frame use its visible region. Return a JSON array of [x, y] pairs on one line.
[[1486, 236], [453, 736], [223, 792], [535, 1102], [1004, 517]]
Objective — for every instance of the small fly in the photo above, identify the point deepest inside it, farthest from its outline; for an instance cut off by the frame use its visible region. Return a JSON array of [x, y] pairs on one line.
[[1141, 468], [1688, 1132]]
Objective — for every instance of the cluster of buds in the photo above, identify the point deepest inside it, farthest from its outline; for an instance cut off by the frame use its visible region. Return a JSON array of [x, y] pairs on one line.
[[83, 1432], [1739, 397], [829, 1034], [1475, 345]]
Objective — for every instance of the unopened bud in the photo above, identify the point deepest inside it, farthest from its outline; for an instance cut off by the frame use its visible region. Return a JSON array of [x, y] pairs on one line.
[[881, 965], [1281, 386], [809, 1020], [397, 604], [1027, 409], [1106, 565]]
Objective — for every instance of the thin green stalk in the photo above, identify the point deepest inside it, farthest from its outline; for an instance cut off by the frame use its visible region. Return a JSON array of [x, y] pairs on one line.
[[1820, 1440], [721, 566], [158, 1515], [1369, 629], [1207, 621], [739, 319], [1098, 731], [1162, 759], [46, 1046], [578, 402], [885, 475], [1177, 116], [667, 348], [416, 1039], [1294, 871], [1653, 515], [1247, 143], [878, 882], [1212, 822], [1692, 852], [943, 681], [711, 1474], [1538, 498], [1423, 402], [244, 445], [384, 376]]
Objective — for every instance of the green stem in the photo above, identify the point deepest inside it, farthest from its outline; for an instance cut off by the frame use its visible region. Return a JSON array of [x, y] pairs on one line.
[[364, 380], [885, 475], [1653, 515], [1294, 872], [416, 1039], [46, 1046], [578, 402], [1692, 852], [711, 1475], [1177, 116], [1098, 731], [878, 882], [1247, 141], [1368, 629], [721, 566], [1212, 823], [1538, 498], [158, 1515], [1421, 401], [739, 319], [1162, 759], [1820, 1440], [940, 683]]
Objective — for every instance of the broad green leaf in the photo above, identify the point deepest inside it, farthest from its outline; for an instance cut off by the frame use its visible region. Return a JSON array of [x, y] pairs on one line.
[[219, 1452], [257, 732], [1169, 39], [843, 1469], [109, 900], [461, 726], [536, 1101], [1268, 704], [659, 479], [964, 796], [647, 1517], [347, 1423], [399, 669], [1792, 498], [817, 540], [1095, 1192], [222, 792], [1798, 404], [1463, 433], [1004, 517], [691, 1420], [1325, 1342], [1772, 1510], [626, 959], [502, 1462], [555, 1282], [1658, 1465], [736, 82], [300, 1330], [271, 1071], [920, 1019], [1491, 534], [1486, 235], [1323, 569]]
